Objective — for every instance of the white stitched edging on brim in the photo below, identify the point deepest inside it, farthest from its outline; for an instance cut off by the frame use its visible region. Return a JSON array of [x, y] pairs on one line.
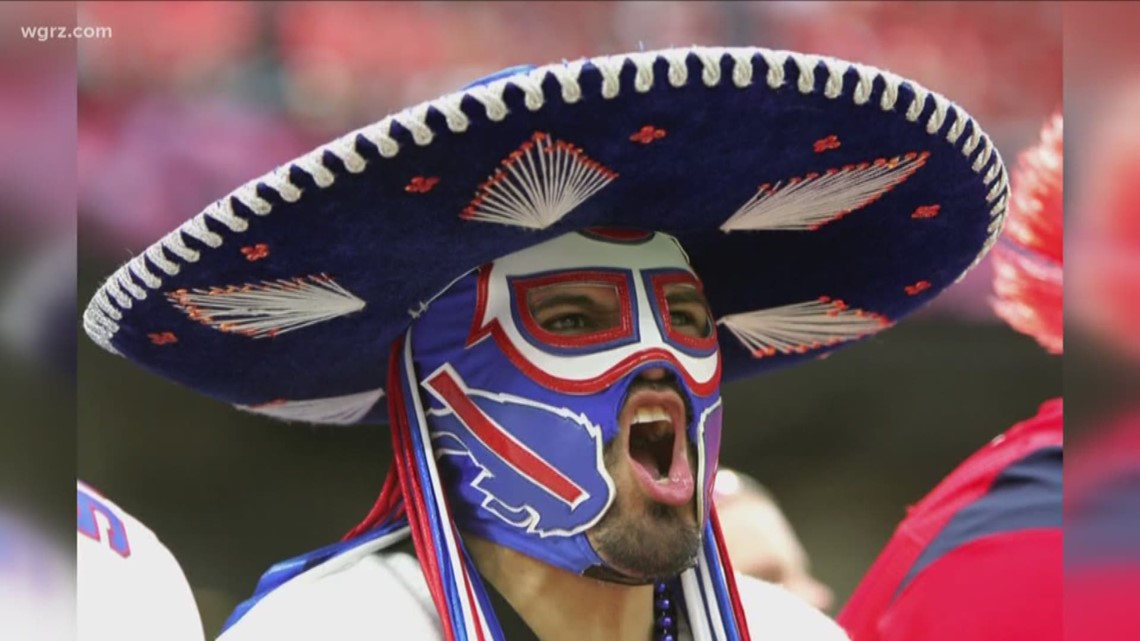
[[124, 285]]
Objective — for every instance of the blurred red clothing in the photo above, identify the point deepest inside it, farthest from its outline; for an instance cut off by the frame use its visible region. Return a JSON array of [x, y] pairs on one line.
[[1102, 518], [980, 557]]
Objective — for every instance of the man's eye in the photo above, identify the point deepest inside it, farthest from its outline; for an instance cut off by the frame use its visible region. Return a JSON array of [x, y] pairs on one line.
[[567, 324], [690, 323], [681, 319]]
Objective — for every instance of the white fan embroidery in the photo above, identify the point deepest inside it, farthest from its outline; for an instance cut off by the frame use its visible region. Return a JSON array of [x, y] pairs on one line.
[[335, 410], [801, 327], [816, 199], [268, 308], [538, 184]]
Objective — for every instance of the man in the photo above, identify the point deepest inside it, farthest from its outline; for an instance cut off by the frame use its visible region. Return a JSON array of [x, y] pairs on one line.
[[538, 258], [760, 540], [129, 585], [980, 556]]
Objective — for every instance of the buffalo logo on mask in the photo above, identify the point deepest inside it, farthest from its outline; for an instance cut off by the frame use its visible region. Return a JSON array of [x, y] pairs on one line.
[[551, 491]]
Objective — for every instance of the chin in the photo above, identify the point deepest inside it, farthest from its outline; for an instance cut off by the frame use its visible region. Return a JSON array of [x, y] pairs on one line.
[[656, 541]]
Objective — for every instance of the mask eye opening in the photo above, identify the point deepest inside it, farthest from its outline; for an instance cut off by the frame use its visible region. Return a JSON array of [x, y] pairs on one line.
[[574, 309], [677, 292]]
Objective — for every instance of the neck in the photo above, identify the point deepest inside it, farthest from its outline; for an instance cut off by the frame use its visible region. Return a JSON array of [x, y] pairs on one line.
[[560, 606]]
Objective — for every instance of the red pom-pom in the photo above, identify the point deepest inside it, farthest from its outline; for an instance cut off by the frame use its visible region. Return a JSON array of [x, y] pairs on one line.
[[1036, 209], [1028, 278]]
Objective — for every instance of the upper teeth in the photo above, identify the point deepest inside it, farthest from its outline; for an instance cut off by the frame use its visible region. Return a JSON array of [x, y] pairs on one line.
[[650, 415]]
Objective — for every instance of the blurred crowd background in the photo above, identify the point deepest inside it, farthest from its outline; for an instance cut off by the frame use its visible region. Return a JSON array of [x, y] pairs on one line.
[[187, 100]]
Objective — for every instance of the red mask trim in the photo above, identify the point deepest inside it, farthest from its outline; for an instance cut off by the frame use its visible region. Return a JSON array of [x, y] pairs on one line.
[[501, 442], [657, 283], [588, 386], [527, 322]]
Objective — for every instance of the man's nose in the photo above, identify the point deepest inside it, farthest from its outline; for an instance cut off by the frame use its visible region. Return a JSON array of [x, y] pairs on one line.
[[655, 374]]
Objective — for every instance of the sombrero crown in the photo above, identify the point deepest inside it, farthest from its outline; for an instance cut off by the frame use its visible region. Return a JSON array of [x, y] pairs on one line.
[[819, 200]]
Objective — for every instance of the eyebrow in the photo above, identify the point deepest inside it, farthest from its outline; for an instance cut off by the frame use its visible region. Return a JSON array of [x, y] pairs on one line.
[[573, 300], [686, 295]]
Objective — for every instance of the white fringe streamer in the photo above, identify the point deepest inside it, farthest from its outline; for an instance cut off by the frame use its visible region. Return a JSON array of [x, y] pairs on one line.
[[538, 184], [814, 200], [335, 410], [801, 327], [267, 309]]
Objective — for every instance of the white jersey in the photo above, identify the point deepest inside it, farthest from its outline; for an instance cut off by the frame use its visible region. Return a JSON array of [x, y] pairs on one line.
[[130, 587], [384, 596]]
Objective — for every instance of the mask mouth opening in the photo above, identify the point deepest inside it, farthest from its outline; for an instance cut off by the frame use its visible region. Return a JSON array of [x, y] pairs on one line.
[[651, 441], [654, 420]]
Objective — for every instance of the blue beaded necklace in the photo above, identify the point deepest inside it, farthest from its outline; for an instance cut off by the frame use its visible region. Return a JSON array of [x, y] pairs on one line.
[[664, 613]]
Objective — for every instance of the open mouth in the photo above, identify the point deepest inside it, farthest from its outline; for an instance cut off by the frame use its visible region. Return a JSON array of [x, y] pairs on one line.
[[657, 445], [651, 440]]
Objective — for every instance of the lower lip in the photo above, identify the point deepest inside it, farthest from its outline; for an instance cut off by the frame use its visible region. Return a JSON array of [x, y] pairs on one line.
[[675, 489]]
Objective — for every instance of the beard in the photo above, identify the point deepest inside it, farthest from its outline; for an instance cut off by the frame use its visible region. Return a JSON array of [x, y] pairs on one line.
[[641, 538]]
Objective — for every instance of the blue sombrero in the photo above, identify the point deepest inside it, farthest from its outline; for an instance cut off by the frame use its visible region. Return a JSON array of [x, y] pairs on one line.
[[819, 200]]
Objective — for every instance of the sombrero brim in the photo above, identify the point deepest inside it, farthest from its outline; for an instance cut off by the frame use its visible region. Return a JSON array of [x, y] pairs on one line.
[[819, 200]]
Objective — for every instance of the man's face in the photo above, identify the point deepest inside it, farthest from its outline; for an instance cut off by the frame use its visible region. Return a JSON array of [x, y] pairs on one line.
[[652, 529], [592, 369]]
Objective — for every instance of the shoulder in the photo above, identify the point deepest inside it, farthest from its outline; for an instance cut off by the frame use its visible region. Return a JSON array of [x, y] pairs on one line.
[[105, 529], [113, 543], [120, 565], [774, 614], [353, 598]]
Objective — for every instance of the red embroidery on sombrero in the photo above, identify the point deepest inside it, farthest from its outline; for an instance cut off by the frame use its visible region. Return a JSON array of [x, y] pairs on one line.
[[421, 184], [647, 134], [809, 202], [538, 184], [837, 305], [255, 252], [917, 288], [926, 211], [801, 327], [162, 338], [826, 144]]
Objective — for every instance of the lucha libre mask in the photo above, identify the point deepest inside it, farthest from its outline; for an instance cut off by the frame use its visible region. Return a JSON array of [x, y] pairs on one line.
[[524, 367]]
